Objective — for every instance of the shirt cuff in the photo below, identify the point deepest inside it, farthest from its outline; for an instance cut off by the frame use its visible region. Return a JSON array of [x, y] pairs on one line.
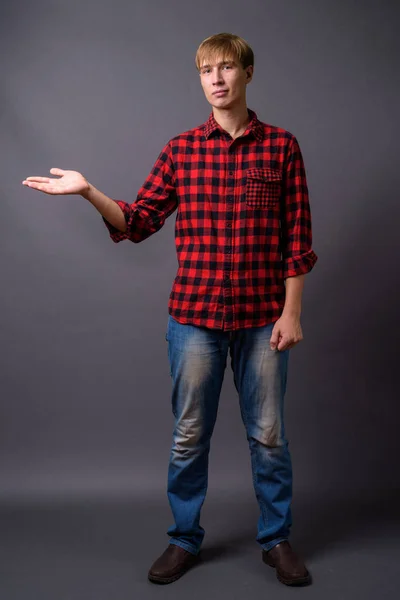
[[299, 265]]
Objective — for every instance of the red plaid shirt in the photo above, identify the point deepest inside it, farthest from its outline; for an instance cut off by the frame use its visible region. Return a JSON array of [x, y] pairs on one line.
[[243, 222]]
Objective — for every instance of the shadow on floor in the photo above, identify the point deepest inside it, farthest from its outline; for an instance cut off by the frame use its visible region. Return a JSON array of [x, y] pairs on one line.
[[137, 528]]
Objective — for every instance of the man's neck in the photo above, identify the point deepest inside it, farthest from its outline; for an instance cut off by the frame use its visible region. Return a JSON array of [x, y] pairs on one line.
[[233, 120]]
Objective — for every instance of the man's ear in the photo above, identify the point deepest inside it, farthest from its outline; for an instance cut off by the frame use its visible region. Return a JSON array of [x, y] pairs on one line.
[[249, 72]]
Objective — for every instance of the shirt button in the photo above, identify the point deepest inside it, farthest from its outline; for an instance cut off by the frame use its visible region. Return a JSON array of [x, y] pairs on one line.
[[230, 172], [226, 277], [229, 224]]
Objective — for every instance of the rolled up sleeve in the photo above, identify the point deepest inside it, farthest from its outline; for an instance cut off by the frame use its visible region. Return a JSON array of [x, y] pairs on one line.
[[296, 229], [155, 202]]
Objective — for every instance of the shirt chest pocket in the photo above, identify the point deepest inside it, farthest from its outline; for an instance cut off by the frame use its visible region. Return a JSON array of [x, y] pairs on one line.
[[263, 187]]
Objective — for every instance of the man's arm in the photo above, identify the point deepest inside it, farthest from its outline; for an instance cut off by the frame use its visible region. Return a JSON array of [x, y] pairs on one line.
[[156, 199], [287, 331], [294, 292], [296, 231], [155, 202], [108, 208], [296, 243]]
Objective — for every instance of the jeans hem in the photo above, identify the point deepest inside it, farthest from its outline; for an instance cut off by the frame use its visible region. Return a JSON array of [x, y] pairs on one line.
[[185, 546], [268, 546]]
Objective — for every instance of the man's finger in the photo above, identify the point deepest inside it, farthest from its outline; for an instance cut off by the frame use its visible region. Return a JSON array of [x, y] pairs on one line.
[[55, 171], [38, 179], [284, 342], [274, 339]]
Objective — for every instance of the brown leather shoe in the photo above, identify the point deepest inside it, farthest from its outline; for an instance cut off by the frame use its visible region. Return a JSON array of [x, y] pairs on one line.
[[290, 569], [171, 565]]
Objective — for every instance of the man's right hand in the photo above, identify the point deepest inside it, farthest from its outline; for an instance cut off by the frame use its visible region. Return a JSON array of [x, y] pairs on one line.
[[70, 182]]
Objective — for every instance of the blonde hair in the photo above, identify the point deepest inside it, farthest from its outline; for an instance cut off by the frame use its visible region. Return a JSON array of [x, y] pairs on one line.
[[227, 46]]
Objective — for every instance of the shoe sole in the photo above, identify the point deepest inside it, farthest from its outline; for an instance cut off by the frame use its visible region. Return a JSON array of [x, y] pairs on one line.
[[165, 580]]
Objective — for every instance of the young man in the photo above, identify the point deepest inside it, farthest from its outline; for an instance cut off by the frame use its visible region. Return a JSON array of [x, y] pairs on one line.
[[243, 240]]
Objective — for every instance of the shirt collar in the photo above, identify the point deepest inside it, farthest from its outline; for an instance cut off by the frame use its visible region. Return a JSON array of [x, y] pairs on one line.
[[254, 126]]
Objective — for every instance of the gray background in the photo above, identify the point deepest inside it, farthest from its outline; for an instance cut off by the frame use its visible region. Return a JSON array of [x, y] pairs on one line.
[[86, 425]]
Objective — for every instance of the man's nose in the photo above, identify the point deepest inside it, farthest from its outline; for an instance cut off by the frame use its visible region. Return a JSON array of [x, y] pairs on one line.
[[217, 77]]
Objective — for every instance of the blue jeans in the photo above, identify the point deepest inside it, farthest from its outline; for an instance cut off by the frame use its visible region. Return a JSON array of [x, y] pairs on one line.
[[197, 357]]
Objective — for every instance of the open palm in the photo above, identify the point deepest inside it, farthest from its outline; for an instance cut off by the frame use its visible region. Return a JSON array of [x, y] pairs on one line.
[[70, 182]]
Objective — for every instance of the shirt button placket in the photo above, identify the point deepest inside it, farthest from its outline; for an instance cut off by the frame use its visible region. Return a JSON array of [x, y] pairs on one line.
[[230, 205]]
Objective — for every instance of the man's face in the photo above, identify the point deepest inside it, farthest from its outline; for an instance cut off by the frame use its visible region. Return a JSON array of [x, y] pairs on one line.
[[224, 82]]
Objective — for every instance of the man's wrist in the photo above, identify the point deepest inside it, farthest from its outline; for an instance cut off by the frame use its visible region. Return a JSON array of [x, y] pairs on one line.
[[293, 313], [87, 192]]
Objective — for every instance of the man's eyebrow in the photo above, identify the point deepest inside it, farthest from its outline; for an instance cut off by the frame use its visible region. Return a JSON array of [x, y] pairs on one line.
[[221, 62]]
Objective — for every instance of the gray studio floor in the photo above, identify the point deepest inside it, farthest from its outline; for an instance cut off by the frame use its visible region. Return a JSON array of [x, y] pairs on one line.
[[92, 549]]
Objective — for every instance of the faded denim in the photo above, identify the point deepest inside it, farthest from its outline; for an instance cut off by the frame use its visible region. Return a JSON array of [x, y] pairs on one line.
[[198, 358]]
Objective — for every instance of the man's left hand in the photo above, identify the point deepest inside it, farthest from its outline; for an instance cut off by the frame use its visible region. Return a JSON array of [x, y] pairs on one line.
[[286, 333]]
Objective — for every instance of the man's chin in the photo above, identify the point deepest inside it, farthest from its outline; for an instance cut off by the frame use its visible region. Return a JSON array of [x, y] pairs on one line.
[[222, 103]]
